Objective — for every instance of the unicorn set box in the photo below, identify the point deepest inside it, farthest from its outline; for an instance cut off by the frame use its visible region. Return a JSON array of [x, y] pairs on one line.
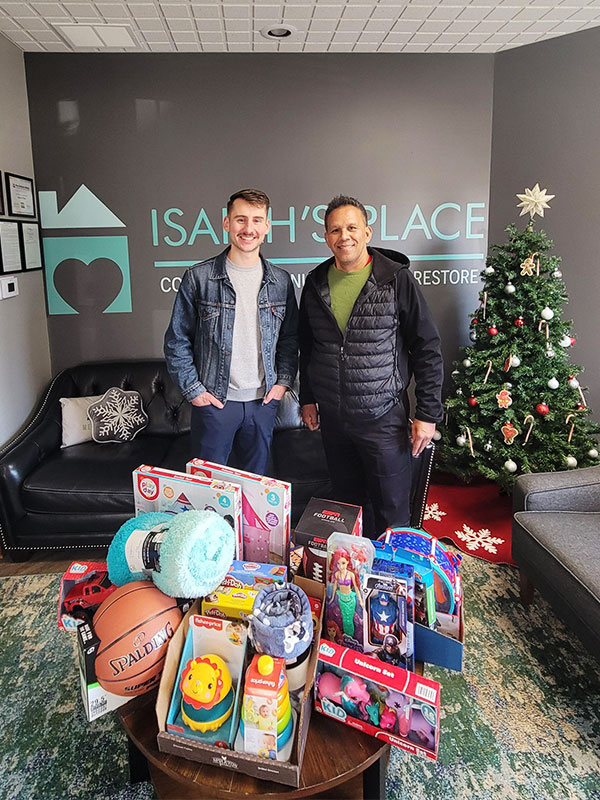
[[178, 694], [170, 492], [266, 510], [383, 700]]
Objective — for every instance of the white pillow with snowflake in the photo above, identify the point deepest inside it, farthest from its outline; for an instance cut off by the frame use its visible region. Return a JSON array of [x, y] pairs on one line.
[[118, 416]]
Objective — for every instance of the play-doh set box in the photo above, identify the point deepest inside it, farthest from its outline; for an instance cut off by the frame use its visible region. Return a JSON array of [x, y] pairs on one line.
[[388, 702], [319, 520], [157, 489], [83, 587], [252, 575], [266, 510], [285, 772]]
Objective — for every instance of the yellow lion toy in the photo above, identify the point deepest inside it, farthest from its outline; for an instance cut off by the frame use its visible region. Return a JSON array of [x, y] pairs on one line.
[[207, 693]]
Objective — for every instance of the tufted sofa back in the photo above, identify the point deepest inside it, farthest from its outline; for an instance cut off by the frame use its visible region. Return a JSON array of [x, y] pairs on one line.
[[168, 412]]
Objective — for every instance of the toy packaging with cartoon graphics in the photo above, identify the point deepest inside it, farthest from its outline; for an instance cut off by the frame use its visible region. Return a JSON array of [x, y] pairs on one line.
[[83, 587], [266, 510], [388, 621], [207, 692], [349, 559], [380, 699], [320, 519], [157, 489], [424, 612]]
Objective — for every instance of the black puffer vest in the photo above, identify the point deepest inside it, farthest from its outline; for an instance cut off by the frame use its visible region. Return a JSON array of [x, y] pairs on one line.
[[363, 373]]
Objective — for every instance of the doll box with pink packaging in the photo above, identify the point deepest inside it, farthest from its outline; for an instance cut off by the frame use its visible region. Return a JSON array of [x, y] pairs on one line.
[[266, 510], [385, 701]]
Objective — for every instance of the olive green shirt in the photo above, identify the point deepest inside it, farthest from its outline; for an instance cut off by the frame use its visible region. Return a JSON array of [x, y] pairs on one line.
[[344, 288]]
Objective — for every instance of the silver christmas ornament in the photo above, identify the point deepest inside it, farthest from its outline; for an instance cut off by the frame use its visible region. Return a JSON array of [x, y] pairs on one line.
[[557, 274], [487, 447], [454, 373], [461, 441], [459, 390], [547, 313], [549, 353], [510, 288], [593, 453], [489, 270], [565, 341], [437, 436], [574, 383], [467, 362], [553, 383], [510, 465], [515, 361], [571, 462], [473, 336]]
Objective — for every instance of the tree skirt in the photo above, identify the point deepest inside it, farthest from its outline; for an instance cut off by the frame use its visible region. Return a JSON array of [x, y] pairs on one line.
[[474, 516]]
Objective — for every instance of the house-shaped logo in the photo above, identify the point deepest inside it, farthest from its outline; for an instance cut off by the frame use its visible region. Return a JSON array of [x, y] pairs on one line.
[[83, 211]]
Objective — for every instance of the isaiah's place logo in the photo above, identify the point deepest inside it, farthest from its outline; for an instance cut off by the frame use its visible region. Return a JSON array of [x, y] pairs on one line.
[[84, 274]]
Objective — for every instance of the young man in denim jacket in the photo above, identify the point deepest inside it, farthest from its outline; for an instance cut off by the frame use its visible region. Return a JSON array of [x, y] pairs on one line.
[[232, 343]]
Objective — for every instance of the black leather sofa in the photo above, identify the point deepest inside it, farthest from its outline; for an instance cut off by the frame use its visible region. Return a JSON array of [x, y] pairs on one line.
[[78, 496]]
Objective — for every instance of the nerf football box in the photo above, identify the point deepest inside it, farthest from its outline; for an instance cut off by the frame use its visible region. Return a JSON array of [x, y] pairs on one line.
[[383, 700], [320, 519], [266, 510], [157, 489]]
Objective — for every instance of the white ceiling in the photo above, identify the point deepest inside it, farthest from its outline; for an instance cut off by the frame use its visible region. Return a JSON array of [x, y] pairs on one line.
[[346, 26]]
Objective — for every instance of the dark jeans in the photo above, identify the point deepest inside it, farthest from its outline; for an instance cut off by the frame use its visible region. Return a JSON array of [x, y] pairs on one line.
[[246, 428], [370, 465]]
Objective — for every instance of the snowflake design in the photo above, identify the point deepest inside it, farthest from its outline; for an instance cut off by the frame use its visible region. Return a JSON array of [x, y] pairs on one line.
[[119, 415], [479, 539], [434, 512]]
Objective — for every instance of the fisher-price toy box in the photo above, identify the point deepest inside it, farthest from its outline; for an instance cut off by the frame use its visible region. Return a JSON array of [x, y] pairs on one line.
[[286, 772], [157, 489], [319, 520], [266, 510], [396, 706]]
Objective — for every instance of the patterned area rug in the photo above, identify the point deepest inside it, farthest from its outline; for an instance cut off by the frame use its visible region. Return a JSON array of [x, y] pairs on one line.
[[475, 517], [521, 721]]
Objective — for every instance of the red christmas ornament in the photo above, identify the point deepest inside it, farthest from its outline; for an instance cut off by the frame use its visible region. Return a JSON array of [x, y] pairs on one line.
[[542, 409], [474, 321], [580, 407], [519, 322], [472, 401], [573, 340], [492, 330]]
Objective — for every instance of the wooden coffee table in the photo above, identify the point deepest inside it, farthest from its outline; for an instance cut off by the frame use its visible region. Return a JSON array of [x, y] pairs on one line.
[[339, 762]]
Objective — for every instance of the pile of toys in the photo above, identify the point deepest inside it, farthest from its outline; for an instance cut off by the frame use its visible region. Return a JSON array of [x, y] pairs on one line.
[[228, 640]]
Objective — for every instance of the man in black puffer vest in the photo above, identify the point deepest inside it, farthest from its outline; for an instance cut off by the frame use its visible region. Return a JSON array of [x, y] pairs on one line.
[[365, 329]]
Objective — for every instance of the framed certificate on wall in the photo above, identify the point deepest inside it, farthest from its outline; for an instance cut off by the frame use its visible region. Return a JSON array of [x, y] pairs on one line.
[[30, 244], [20, 196], [10, 248]]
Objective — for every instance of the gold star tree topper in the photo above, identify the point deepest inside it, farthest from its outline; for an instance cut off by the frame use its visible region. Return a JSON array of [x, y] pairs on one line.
[[534, 201]]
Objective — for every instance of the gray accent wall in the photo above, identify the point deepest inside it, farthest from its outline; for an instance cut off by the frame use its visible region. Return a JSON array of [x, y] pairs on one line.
[[24, 350], [162, 140], [545, 130]]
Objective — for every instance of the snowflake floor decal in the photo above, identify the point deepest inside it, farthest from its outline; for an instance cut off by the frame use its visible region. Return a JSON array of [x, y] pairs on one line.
[[474, 540]]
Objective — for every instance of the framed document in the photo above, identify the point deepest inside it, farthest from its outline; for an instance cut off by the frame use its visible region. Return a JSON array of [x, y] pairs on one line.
[[20, 196], [10, 248], [1, 197], [30, 242]]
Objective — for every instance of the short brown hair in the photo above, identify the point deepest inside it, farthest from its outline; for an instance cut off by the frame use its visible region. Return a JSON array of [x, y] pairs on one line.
[[253, 196], [344, 200]]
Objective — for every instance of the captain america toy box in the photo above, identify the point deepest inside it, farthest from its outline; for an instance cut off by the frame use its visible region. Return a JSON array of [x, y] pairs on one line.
[[383, 700]]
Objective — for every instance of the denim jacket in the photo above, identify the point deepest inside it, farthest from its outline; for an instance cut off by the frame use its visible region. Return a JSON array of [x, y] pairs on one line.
[[199, 338]]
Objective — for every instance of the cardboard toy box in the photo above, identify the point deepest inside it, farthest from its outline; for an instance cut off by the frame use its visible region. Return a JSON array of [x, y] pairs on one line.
[[228, 602], [320, 519], [96, 700], [157, 489], [83, 587], [443, 645], [266, 510], [286, 772], [251, 575], [356, 689]]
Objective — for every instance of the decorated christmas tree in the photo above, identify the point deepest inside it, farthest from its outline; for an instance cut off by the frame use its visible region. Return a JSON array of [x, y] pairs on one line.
[[518, 405]]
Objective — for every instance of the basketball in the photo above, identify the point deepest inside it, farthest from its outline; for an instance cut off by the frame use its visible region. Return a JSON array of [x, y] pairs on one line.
[[134, 625]]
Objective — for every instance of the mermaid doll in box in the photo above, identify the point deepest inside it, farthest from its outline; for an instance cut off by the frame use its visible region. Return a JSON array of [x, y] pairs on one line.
[[348, 557]]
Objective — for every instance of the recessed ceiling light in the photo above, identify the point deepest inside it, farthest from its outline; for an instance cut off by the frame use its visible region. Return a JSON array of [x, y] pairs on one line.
[[278, 31], [99, 36]]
